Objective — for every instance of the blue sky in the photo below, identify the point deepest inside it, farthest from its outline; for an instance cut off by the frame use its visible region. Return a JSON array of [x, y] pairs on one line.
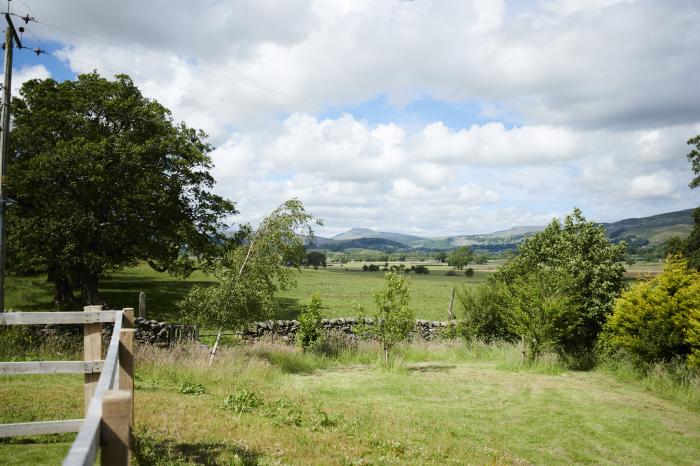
[[426, 117]]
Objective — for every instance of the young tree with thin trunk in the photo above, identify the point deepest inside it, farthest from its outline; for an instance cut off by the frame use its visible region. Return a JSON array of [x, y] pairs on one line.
[[250, 274], [394, 320]]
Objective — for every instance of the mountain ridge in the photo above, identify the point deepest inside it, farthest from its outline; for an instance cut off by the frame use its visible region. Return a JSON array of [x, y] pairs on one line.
[[641, 231]]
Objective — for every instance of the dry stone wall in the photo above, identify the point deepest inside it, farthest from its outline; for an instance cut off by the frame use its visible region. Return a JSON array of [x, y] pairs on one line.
[[285, 330]]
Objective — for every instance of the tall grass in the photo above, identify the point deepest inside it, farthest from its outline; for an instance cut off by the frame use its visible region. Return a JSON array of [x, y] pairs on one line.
[[672, 381]]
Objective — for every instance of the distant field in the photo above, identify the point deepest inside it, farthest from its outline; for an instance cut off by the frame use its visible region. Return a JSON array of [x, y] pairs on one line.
[[342, 288]]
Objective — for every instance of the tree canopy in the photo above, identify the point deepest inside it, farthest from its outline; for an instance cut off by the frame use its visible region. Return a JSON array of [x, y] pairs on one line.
[[102, 178], [590, 275], [694, 159], [460, 257], [691, 245]]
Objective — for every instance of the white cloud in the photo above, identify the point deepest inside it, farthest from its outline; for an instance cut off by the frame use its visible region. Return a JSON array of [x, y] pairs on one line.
[[583, 102], [654, 185], [24, 74]]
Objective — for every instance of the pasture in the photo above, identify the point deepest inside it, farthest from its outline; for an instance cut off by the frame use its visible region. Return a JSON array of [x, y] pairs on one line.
[[435, 404], [342, 288]]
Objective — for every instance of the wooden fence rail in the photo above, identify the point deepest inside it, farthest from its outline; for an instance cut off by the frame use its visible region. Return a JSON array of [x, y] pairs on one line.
[[109, 386]]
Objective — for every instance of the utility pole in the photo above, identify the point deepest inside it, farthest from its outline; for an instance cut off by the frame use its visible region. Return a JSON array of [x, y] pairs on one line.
[[10, 34]]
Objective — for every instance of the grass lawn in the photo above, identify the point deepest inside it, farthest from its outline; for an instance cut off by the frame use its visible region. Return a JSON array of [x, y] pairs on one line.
[[341, 289], [440, 404]]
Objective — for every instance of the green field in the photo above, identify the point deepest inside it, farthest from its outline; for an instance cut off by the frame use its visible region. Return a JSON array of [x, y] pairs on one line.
[[342, 288], [436, 404]]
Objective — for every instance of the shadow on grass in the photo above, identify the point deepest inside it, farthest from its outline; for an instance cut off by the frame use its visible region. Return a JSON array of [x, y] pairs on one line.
[[431, 368], [150, 451], [289, 362], [288, 308], [161, 295]]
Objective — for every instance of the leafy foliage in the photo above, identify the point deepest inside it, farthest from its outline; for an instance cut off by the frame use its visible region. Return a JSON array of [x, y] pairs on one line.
[[484, 313], [694, 159], [460, 257], [659, 319], [104, 178], [538, 306], [243, 400], [592, 277], [250, 274], [316, 259], [394, 320], [309, 333]]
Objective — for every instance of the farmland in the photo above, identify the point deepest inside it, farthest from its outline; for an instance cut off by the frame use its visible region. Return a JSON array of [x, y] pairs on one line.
[[341, 287]]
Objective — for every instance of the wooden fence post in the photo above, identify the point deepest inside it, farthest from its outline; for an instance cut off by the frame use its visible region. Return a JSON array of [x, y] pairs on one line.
[[126, 365], [142, 304], [92, 342], [128, 321], [115, 430], [449, 309]]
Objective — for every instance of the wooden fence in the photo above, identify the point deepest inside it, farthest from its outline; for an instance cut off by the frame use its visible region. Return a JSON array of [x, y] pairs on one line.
[[108, 386]]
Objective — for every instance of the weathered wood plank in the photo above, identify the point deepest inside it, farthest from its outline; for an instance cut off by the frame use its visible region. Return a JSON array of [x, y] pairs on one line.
[[40, 428], [84, 448], [41, 318], [116, 428], [92, 349], [51, 367]]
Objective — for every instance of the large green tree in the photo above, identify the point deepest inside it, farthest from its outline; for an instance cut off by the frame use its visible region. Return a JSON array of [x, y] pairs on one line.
[[102, 178], [692, 244], [591, 277], [460, 257]]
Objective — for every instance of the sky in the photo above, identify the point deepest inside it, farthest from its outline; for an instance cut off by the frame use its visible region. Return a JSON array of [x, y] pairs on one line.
[[432, 118]]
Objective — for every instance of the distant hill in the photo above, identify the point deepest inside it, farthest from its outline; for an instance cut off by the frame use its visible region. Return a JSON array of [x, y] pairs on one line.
[[638, 232], [356, 233], [655, 229], [491, 241]]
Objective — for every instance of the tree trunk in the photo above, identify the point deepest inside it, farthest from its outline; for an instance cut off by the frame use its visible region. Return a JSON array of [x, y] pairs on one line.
[[216, 346], [62, 288], [386, 355], [89, 289]]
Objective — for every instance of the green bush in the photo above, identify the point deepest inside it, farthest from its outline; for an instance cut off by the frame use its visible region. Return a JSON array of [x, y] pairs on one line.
[[309, 333], [484, 314], [579, 251], [538, 307], [394, 320], [469, 272], [659, 319]]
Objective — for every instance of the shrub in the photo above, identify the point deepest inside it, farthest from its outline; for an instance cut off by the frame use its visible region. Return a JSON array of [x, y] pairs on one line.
[[309, 332], [243, 400], [538, 307], [365, 267], [394, 320], [421, 269], [451, 273], [659, 319], [484, 314], [580, 251], [469, 272], [189, 387]]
